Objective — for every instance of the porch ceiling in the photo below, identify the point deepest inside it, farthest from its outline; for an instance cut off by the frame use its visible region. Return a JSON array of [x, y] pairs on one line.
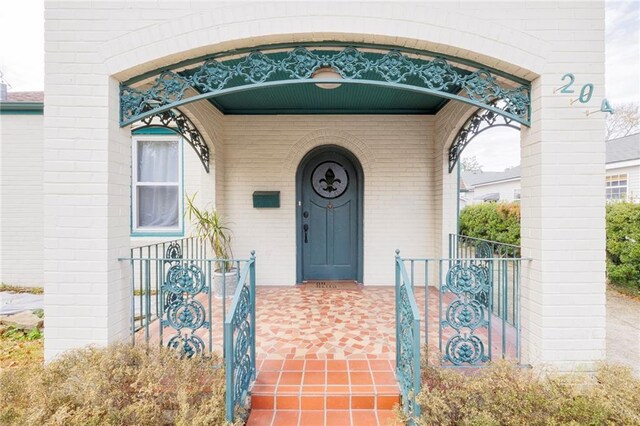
[[346, 99], [310, 99]]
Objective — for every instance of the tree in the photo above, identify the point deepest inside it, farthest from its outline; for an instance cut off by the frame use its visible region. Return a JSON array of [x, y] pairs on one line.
[[470, 164], [624, 121]]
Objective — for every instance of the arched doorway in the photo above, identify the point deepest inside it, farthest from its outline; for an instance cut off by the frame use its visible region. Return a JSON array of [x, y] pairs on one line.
[[329, 211]]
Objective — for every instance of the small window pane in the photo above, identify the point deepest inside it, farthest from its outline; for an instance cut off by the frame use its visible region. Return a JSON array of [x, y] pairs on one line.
[[158, 206], [158, 161]]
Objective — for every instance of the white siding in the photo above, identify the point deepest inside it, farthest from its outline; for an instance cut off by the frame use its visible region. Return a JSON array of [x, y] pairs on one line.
[[21, 223], [504, 189]]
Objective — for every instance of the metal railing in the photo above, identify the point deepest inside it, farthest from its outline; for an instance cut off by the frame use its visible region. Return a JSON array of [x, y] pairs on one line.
[[469, 247], [149, 265], [459, 294], [407, 340], [240, 341], [464, 247], [194, 304]]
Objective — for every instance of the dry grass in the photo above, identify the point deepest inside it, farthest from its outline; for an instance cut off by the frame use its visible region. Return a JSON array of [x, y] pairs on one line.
[[631, 293], [504, 394], [119, 385], [17, 289], [20, 349]]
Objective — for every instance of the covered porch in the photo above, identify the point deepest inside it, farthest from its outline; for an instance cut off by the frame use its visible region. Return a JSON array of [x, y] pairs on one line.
[[244, 96]]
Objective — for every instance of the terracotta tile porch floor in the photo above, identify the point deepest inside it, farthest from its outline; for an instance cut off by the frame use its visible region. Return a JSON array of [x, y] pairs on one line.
[[327, 356]]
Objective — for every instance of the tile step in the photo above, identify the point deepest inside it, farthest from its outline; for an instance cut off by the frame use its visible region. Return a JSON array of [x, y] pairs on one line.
[[327, 401], [322, 418]]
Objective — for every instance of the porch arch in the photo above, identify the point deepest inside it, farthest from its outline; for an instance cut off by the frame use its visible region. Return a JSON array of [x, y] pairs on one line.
[[387, 68], [242, 25]]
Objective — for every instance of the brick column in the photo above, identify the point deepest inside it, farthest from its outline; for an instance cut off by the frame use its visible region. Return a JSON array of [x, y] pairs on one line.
[[563, 230], [87, 161]]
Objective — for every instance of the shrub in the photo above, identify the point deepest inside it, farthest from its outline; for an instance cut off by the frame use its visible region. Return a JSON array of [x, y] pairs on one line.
[[504, 394], [492, 221], [623, 244], [119, 385]]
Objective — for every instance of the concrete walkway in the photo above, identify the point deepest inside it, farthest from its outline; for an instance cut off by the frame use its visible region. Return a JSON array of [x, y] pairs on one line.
[[623, 330]]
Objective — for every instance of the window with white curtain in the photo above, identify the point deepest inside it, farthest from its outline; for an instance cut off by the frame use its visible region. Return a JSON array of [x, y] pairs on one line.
[[157, 184]]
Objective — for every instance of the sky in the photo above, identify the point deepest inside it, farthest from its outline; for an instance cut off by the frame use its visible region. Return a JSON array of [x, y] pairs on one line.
[[22, 66]]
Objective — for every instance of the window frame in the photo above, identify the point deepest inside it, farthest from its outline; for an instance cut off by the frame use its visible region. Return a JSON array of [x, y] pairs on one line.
[[608, 189], [146, 231]]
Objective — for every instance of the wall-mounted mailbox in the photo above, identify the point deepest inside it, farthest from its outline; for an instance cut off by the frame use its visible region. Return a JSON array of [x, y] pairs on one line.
[[266, 199]]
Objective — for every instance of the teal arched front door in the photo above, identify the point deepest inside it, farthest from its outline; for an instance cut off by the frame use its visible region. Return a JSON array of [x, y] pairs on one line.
[[329, 237]]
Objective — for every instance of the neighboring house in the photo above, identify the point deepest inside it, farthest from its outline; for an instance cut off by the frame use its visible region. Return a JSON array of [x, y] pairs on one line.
[[623, 169], [326, 134], [479, 187], [622, 180], [21, 188]]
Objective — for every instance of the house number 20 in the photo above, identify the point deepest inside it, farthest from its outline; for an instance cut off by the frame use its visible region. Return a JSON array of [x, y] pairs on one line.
[[586, 92]]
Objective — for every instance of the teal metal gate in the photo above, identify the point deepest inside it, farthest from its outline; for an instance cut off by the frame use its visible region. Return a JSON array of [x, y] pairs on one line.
[[407, 340], [180, 301], [240, 340], [473, 306]]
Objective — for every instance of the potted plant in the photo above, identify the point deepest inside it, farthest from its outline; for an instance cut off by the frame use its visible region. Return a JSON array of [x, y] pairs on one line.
[[208, 225]]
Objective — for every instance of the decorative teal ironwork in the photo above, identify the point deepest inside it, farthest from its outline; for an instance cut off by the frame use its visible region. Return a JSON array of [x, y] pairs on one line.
[[179, 122], [466, 313], [484, 119], [183, 313], [506, 273], [407, 340], [240, 340], [174, 252], [390, 68]]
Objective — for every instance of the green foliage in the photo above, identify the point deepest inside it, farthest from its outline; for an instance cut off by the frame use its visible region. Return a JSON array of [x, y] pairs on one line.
[[492, 221], [504, 394], [16, 334], [623, 244], [119, 385], [208, 225]]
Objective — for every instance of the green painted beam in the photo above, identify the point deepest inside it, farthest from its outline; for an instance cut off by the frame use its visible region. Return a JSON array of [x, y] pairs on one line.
[[21, 108]]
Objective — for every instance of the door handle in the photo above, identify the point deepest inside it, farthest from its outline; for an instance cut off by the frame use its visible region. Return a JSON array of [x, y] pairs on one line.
[[305, 227]]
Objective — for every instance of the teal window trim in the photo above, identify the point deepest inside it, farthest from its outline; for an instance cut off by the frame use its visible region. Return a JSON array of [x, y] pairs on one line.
[[152, 130], [143, 135], [21, 108]]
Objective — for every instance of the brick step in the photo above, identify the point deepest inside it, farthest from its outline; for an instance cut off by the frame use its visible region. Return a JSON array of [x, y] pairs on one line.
[[331, 398], [324, 392], [322, 418]]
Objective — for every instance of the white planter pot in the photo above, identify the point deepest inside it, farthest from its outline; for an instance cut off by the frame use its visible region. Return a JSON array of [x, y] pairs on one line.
[[228, 279]]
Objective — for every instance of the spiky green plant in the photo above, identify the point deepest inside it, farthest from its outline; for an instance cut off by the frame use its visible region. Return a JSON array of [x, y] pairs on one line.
[[209, 225]]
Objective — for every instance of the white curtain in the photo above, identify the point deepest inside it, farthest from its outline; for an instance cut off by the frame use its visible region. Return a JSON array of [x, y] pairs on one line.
[[158, 205]]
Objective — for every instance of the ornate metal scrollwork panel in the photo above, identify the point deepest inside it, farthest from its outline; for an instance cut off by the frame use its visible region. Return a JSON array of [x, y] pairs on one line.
[[435, 74], [177, 121], [183, 313], [466, 318], [242, 336], [406, 346], [484, 119]]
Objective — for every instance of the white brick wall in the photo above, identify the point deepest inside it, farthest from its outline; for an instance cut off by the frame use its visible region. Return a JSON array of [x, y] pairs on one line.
[[263, 153], [91, 45], [21, 224]]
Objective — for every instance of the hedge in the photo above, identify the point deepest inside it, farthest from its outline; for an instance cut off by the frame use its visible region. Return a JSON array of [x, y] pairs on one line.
[[623, 244], [501, 222], [492, 221]]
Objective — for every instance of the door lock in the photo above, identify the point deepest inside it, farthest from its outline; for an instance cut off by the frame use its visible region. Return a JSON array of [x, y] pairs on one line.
[[305, 227]]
